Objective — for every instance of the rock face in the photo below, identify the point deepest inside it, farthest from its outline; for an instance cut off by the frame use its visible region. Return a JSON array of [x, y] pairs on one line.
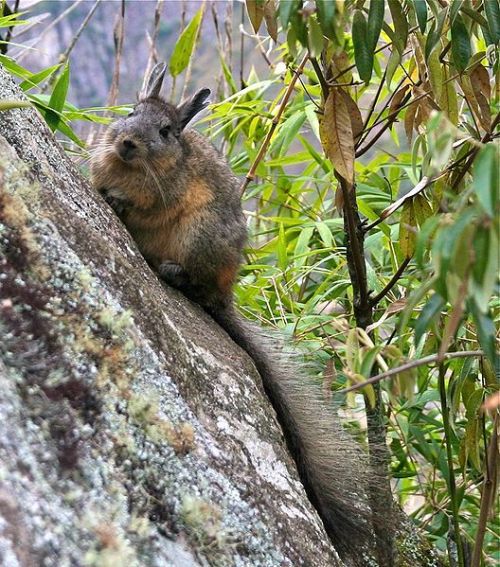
[[133, 431]]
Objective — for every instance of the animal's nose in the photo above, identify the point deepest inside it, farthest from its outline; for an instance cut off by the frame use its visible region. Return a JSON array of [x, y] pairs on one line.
[[127, 149], [129, 144]]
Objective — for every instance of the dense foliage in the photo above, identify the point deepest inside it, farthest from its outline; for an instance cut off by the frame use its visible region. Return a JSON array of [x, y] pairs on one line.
[[370, 146]]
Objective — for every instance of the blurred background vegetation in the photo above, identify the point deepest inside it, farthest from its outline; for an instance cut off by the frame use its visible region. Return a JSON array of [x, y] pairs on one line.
[[367, 132]]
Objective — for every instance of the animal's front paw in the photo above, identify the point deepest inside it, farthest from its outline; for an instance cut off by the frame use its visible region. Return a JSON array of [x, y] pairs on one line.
[[173, 274], [118, 205]]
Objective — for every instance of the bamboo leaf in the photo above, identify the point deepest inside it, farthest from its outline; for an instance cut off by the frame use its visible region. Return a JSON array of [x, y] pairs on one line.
[[400, 25], [492, 10], [271, 19], [428, 314], [255, 11], [375, 21], [336, 135], [326, 17], [286, 10], [486, 178], [315, 37], [460, 44], [363, 55], [420, 7], [408, 230], [184, 48], [354, 113]]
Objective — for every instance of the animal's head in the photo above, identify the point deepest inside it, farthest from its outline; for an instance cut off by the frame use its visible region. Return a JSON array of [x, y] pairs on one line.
[[152, 131]]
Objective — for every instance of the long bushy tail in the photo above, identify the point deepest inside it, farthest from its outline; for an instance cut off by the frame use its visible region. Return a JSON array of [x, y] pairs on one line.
[[331, 465]]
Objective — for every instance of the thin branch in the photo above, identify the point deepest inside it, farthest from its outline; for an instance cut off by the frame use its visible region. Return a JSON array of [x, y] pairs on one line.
[[46, 30], [393, 281], [488, 493], [118, 35], [250, 176], [321, 78], [152, 56], [452, 487], [65, 56], [409, 366]]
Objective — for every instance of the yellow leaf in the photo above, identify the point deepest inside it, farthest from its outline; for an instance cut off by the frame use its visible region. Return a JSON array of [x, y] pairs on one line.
[[336, 135], [408, 230], [449, 102], [411, 111], [435, 69]]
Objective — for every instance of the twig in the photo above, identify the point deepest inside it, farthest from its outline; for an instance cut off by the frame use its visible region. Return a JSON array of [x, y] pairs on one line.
[[445, 412], [46, 30], [391, 283], [152, 42], [487, 495], [325, 89], [409, 366], [250, 176], [118, 34], [64, 57], [189, 68], [242, 48]]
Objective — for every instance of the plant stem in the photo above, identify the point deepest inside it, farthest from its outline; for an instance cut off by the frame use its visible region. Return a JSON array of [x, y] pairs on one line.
[[393, 281], [488, 493], [445, 412], [379, 490], [410, 365], [250, 176]]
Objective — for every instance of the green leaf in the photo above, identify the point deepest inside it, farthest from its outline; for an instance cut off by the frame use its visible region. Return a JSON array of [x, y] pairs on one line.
[[430, 311], [315, 37], [486, 178], [281, 248], [57, 99], [326, 17], [400, 25], [492, 10], [485, 332], [13, 67], [363, 55], [460, 44], [435, 33], [37, 78], [454, 8], [183, 49], [420, 7], [375, 21], [286, 10]]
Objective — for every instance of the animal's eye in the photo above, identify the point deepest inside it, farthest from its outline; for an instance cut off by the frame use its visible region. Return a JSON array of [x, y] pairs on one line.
[[164, 131]]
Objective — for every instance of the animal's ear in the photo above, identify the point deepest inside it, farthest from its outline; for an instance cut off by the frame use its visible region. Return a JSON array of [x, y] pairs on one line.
[[187, 110], [155, 80]]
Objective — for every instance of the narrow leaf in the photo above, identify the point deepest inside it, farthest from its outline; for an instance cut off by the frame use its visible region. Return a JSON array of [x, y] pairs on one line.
[[375, 21], [336, 135], [326, 17], [363, 55], [183, 49], [255, 11], [460, 44], [420, 7]]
